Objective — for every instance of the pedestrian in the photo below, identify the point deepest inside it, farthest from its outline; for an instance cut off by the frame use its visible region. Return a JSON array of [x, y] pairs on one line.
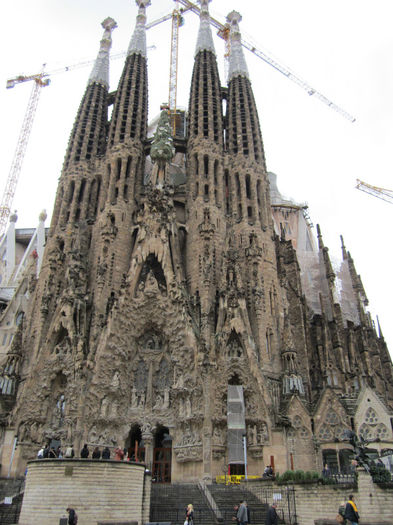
[[340, 518], [59, 453], [96, 453], [40, 453], [235, 509], [119, 454], [45, 454], [69, 453], [272, 516], [242, 515], [268, 472], [85, 452], [325, 471], [189, 515], [52, 453], [351, 511], [106, 453], [72, 516]]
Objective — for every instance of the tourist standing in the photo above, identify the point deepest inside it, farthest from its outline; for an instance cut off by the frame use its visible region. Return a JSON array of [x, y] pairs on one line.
[[69, 452], [85, 452], [272, 516], [96, 453], [351, 511], [341, 512], [106, 453]]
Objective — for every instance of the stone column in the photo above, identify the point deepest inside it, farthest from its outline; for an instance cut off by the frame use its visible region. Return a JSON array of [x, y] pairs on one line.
[[148, 440]]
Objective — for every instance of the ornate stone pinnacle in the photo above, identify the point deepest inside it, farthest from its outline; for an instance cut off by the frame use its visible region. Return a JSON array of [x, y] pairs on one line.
[[109, 24], [233, 18], [100, 72], [205, 39]]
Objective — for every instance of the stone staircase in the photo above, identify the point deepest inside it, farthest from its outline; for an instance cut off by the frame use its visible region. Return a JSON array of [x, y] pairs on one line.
[[226, 497], [9, 513], [169, 502]]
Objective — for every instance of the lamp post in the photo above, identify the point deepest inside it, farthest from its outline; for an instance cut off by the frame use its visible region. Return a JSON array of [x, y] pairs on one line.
[[245, 454]]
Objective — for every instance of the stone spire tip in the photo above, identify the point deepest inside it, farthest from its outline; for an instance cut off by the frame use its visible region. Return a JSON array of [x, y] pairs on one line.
[[205, 39], [237, 62], [138, 41], [100, 72]]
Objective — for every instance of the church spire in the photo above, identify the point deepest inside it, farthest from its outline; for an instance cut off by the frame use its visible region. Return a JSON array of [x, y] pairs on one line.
[[100, 72], [205, 39], [129, 117], [237, 62], [138, 40]]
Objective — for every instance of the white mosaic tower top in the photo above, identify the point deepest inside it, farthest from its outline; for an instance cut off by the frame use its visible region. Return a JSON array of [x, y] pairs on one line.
[[205, 39], [100, 72], [237, 62], [138, 41]]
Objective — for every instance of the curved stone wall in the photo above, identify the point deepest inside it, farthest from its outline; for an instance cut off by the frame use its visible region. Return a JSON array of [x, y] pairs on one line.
[[97, 489]]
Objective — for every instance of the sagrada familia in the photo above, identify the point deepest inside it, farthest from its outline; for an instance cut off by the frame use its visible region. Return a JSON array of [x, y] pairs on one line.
[[183, 310]]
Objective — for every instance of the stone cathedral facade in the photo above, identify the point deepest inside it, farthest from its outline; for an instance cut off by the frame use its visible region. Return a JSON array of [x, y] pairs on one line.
[[173, 315]]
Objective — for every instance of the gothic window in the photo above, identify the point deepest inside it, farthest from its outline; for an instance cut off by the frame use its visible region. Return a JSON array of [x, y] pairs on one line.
[[234, 347], [332, 418], [140, 376], [297, 421], [371, 417], [325, 433], [163, 378], [366, 432], [382, 431], [303, 432]]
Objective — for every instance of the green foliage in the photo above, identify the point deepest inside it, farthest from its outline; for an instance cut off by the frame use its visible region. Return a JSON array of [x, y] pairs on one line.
[[380, 474], [297, 476]]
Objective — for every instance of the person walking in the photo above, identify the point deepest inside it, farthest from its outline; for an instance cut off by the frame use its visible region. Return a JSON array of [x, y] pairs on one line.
[[242, 514], [272, 516], [72, 516], [190, 514], [351, 511], [85, 452]]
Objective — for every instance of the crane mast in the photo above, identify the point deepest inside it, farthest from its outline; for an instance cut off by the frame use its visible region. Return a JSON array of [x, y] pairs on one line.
[[380, 193], [172, 97], [16, 166]]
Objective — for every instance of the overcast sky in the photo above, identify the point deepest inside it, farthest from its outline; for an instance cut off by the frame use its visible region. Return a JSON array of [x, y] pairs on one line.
[[341, 48]]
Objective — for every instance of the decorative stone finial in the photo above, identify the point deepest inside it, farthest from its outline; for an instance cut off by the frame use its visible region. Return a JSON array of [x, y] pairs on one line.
[[237, 62], [42, 216], [100, 73]]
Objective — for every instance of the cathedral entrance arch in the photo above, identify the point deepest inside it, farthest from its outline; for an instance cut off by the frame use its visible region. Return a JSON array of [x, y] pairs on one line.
[[162, 455], [135, 445]]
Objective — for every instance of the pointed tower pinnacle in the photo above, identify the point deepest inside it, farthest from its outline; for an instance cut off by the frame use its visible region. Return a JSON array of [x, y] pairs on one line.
[[100, 72], [205, 39], [138, 40], [237, 62], [343, 249]]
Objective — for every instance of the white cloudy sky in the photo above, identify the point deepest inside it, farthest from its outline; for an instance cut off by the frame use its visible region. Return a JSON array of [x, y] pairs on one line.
[[342, 48]]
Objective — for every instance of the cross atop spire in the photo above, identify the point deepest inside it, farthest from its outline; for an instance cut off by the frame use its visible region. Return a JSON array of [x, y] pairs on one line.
[[100, 72], [237, 62], [205, 39], [138, 41]]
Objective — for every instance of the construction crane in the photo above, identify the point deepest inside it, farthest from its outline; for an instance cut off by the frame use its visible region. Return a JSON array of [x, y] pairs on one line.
[[42, 79], [223, 32], [13, 176], [380, 193]]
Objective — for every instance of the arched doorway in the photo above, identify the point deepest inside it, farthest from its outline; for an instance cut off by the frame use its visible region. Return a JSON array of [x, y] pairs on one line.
[[162, 455], [134, 445]]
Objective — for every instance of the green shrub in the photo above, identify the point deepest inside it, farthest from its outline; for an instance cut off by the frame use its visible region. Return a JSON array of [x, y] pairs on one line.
[[299, 475], [380, 474]]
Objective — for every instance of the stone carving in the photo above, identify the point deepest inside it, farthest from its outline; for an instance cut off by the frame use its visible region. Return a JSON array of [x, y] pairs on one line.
[[188, 447], [161, 151]]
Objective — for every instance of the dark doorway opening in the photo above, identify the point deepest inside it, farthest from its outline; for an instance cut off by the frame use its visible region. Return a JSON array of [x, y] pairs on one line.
[[135, 446], [162, 455], [236, 469]]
